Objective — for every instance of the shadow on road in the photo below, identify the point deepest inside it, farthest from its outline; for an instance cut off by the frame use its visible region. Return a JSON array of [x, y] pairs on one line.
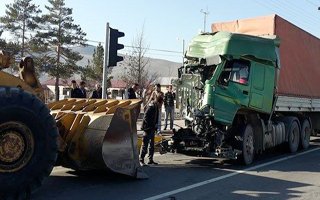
[[177, 171]]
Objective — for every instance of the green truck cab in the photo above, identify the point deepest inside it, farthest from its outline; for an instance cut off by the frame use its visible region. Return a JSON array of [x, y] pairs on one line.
[[227, 94], [238, 73]]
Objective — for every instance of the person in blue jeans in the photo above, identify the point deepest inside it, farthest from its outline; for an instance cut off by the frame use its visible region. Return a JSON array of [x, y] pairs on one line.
[[149, 126], [169, 97], [154, 94]]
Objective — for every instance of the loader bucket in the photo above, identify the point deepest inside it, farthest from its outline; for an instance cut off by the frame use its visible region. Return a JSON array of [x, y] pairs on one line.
[[98, 134]]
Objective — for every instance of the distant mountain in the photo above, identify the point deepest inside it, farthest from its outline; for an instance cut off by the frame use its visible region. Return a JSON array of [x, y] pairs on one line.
[[163, 68], [160, 66]]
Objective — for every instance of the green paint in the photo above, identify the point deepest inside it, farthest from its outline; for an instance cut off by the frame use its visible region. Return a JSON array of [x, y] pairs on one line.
[[244, 79]]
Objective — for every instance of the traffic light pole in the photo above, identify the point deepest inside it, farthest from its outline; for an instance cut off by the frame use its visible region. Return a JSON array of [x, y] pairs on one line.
[[105, 64]]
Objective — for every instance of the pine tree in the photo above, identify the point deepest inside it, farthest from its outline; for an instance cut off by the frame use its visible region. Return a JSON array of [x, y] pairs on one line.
[[59, 33], [94, 69], [20, 20]]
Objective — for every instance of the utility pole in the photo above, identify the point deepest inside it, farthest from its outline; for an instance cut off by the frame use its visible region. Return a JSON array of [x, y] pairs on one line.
[[105, 64], [183, 47], [205, 13]]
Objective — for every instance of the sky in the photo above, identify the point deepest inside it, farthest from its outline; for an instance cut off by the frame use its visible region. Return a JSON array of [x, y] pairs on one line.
[[167, 23]]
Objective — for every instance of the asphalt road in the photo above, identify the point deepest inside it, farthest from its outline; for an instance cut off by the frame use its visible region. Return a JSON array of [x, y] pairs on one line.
[[275, 175]]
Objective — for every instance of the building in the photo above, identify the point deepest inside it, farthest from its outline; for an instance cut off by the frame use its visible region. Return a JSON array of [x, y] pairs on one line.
[[116, 91], [64, 88]]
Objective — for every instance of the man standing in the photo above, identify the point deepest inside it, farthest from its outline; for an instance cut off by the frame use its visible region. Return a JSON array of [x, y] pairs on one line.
[[97, 93], [132, 91], [83, 92], [75, 91], [169, 106], [149, 126]]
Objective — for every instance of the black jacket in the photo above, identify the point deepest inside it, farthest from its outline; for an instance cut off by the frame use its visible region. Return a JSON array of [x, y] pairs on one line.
[[97, 94], [83, 93], [76, 93], [131, 94], [150, 118], [169, 99]]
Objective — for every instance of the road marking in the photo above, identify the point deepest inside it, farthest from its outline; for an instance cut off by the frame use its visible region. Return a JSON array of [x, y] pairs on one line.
[[244, 171]]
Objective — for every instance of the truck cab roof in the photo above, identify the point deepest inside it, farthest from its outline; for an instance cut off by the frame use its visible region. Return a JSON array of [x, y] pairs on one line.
[[225, 43]]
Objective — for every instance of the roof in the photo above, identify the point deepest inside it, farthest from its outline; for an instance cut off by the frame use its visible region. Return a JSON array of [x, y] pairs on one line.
[[67, 82], [62, 82], [118, 84]]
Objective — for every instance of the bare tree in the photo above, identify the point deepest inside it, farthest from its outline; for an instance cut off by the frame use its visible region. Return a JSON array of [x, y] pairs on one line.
[[136, 64]]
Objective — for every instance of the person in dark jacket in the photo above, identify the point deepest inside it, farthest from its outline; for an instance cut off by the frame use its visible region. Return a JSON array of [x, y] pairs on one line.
[[97, 93], [149, 126], [169, 106], [132, 91], [75, 91], [83, 92]]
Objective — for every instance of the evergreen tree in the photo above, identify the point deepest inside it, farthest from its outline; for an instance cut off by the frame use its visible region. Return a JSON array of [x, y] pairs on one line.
[[59, 33], [20, 20], [94, 70], [12, 48]]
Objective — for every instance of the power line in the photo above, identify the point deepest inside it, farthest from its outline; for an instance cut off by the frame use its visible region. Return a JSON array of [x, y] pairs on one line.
[[297, 11], [276, 11], [129, 46], [157, 54], [310, 2], [162, 50]]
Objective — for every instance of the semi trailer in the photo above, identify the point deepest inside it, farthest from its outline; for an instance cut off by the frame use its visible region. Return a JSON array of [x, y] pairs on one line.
[[248, 86]]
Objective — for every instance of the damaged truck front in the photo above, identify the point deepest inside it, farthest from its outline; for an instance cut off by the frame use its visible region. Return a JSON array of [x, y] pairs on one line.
[[227, 93]]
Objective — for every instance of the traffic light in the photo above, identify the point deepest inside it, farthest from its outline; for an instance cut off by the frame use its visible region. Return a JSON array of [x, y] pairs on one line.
[[114, 47]]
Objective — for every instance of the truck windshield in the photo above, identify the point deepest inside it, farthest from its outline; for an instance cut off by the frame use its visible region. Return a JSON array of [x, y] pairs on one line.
[[206, 72]]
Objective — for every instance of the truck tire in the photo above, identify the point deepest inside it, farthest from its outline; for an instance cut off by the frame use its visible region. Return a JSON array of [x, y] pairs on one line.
[[293, 132], [305, 134], [245, 143], [28, 143]]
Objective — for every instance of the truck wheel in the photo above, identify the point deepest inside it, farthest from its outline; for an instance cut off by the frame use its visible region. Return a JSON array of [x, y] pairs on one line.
[[305, 134], [245, 143], [293, 134], [28, 143]]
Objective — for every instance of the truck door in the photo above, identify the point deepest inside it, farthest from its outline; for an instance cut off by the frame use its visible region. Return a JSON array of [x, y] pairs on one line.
[[262, 84], [232, 91]]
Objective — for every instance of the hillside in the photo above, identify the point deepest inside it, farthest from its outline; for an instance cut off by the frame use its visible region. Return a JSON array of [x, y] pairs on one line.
[[159, 66]]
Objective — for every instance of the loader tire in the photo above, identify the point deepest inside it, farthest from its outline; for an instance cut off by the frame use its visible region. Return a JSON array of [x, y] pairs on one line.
[[28, 143]]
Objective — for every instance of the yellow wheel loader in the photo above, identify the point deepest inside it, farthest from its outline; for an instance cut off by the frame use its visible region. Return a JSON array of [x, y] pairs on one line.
[[82, 134]]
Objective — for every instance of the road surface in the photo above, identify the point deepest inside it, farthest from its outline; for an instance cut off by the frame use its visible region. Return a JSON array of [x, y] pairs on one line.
[[275, 175]]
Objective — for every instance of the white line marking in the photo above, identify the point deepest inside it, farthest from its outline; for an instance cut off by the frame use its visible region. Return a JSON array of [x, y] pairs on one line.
[[244, 171]]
